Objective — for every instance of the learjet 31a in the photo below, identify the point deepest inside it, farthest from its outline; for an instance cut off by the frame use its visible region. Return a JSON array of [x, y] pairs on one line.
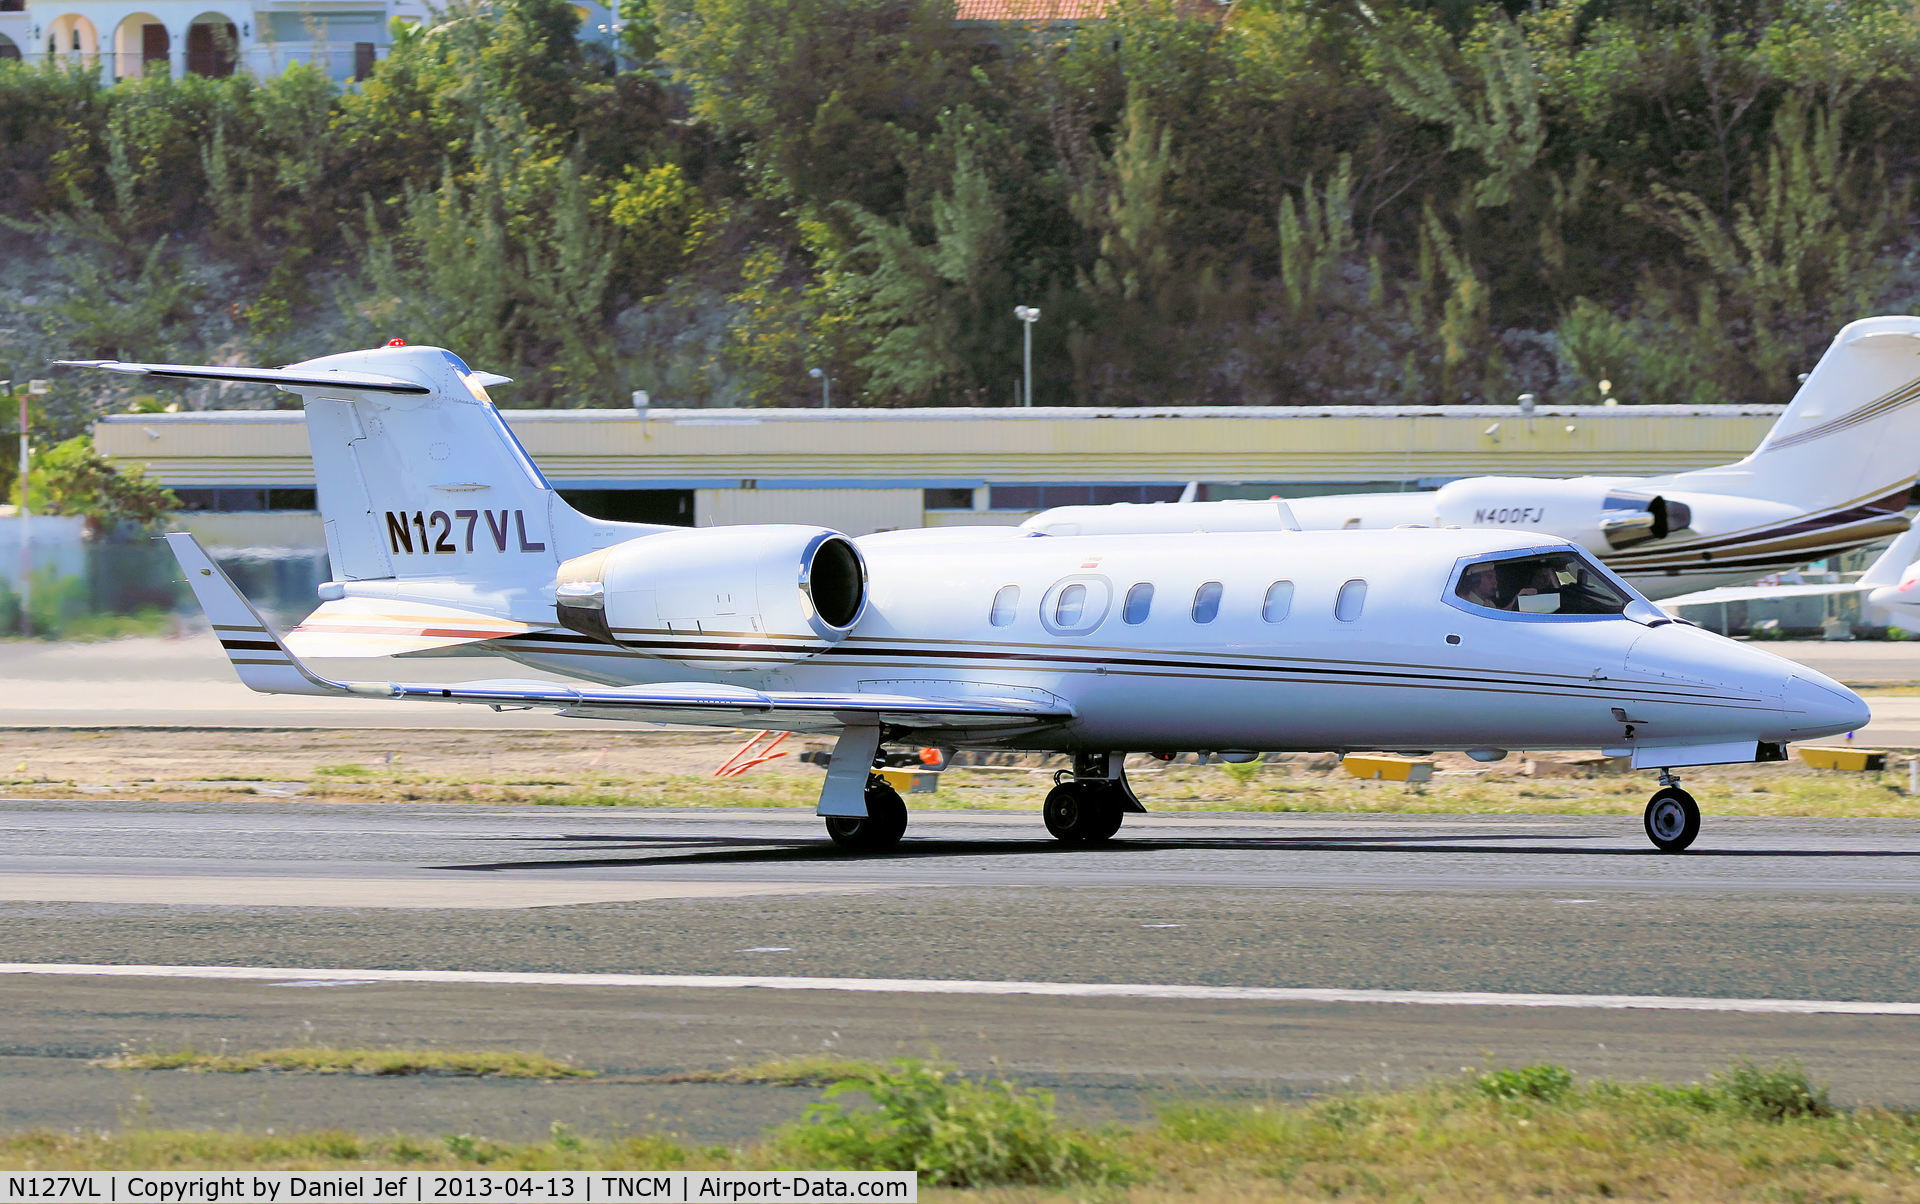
[[1833, 474], [444, 536]]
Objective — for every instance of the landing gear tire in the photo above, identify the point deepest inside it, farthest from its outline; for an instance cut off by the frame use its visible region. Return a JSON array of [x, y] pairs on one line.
[[1084, 812], [1672, 819], [880, 829]]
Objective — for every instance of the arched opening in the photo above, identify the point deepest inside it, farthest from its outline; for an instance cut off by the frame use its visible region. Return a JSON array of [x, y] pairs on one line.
[[213, 45], [7, 48], [140, 45], [71, 36]]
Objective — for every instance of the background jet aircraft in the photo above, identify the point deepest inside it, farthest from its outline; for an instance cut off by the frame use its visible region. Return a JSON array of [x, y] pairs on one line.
[[1889, 590], [1833, 474], [443, 534]]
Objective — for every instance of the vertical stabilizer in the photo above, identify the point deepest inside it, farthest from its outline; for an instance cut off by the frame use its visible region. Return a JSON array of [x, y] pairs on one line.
[[426, 485], [418, 476], [1891, 567], [1851, 436]]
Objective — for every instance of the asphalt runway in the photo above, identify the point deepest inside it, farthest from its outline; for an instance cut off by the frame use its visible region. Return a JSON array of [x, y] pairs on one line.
[[1761, 910], [186, 682]]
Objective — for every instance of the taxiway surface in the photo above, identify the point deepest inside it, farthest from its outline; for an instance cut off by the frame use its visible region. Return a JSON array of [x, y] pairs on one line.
[[1820, 910]]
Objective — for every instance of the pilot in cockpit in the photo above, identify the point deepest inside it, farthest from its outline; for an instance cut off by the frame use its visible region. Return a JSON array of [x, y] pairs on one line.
[[1480, 585], [1556, 583]]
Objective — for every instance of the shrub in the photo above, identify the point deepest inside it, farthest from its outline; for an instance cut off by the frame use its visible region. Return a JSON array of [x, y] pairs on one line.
[[1776, 1093], [957, 1133], [1545, 1082]]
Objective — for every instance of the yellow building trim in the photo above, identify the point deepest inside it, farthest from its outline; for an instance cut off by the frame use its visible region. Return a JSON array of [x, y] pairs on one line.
[[902, 448]]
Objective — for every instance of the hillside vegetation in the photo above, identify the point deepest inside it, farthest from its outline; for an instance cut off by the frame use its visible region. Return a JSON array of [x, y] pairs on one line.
[[1279, 201]]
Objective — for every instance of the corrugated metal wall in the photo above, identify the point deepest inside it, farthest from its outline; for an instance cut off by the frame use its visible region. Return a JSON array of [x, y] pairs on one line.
[[854, 511]]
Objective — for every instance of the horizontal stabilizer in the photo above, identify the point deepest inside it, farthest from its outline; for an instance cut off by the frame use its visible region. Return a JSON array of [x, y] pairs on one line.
[[265, 664], [362, 627], [262, 376]]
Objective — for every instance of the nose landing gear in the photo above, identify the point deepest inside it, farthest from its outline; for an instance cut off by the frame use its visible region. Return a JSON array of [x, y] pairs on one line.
[[1672, 817]]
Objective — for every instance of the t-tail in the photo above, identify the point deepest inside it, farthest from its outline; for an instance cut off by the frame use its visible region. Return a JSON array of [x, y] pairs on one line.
[[427, 497], [1850, 439], [417, 474]]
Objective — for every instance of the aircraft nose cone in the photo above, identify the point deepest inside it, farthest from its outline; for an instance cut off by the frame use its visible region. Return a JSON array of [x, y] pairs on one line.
[[1817, 705]]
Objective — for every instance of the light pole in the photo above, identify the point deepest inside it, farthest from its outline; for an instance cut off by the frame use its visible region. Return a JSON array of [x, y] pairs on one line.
[[1028, 315], [826, 387]]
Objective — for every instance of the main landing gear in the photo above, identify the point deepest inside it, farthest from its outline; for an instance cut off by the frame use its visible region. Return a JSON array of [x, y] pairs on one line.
[[1672, 818], [864, 814], [880, 828], [1088, 802]]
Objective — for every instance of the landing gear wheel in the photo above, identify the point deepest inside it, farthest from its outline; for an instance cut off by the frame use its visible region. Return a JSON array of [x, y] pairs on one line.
[[880, 829], [1672, 819], [1084, 812]]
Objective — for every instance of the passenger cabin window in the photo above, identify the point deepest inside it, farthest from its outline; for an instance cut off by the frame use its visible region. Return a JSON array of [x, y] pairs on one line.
[[1070, 605], [1551, 583], [1004, 604], [1352, 600], [1278, 602], [1206, 602], [1139, 603]]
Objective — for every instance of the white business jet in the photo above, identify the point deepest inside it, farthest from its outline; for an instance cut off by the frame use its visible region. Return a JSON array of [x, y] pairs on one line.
[[444, 535], [1833, 474], [1889, 590]]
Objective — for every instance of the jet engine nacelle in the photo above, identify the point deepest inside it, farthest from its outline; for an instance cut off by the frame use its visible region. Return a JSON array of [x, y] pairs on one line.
[[1596, 514], [775, 592]]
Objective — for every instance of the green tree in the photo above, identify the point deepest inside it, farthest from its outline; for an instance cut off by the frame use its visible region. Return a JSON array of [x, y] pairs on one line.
[[822, 96], [72, 478]]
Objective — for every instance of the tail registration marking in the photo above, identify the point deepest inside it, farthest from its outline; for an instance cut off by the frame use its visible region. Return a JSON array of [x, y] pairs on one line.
[[435, 531]]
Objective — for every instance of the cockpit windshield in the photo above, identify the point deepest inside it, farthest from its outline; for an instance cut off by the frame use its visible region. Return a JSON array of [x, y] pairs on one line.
[[1543, 583]]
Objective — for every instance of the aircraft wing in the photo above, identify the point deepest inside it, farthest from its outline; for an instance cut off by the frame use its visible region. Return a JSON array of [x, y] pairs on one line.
[[1761, 593], [265, 664], [263, 376]]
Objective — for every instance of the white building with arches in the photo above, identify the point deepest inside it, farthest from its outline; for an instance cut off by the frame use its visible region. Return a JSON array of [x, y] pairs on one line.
[[130, 38]]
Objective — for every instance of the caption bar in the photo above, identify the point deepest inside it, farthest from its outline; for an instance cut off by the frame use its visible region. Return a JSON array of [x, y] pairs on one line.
[[428, 1187]]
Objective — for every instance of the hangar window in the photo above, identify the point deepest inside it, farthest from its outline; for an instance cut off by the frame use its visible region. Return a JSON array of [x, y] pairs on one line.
[[1206, 602], [1278, 602], [1551, 583], [1352, 600], [1070, 605], [1004, 604], [1139, 604]]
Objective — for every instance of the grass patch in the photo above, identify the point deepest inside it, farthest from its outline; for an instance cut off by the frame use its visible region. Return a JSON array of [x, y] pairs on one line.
[[814, 1071], [342, 771], [1533, 1132], [450, 1063]]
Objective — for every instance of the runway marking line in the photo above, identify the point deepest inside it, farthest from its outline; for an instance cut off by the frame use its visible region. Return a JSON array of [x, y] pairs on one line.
[[940, 986]]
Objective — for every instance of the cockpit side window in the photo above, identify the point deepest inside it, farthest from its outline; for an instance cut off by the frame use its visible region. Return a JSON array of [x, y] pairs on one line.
[[1548, 583]]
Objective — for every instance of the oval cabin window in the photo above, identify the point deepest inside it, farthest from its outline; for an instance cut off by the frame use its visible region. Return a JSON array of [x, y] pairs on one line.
[[1070, 606], [1206, 602], [1352, 600], [1004, 604], [1139, 604], [1278, 602]]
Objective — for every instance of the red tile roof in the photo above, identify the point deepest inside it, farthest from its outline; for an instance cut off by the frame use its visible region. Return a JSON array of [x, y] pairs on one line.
[[1022, 11]]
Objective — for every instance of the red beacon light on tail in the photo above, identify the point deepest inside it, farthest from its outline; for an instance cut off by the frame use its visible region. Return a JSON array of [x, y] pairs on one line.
[[396, 342]]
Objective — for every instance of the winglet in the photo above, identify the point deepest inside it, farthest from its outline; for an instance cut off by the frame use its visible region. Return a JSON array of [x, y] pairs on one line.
[[1896, 560], [258, 655]]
